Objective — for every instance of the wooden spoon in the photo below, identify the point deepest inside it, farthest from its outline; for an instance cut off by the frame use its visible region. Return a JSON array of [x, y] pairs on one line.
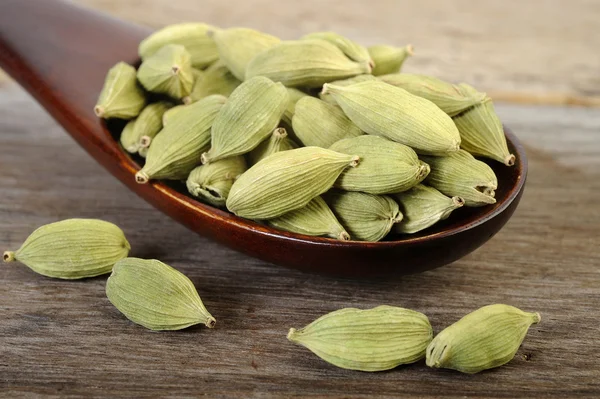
[[60, 53]]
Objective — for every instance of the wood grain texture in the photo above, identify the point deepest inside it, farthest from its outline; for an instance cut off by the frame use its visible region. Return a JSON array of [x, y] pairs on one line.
[[61, 338]]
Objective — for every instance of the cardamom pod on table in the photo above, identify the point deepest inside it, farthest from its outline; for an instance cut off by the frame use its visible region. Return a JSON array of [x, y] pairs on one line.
[[155, 295], [486, 338], [374, 339], [72, 249]]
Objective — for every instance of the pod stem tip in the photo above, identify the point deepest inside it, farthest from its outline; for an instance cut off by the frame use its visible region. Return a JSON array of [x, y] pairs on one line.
[[291, 333], [145, 141], [344, 236], [509, 160], [8, 256], [205, 158], [210, 322], [280, 132], [458, 201], [99, 111], [141, 177]]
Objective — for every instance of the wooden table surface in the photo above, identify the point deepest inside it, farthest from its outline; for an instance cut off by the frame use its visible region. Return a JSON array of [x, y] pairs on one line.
[[64, 338]]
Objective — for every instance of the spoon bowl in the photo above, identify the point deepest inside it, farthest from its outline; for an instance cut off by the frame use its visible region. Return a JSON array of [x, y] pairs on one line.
[[61, 53]]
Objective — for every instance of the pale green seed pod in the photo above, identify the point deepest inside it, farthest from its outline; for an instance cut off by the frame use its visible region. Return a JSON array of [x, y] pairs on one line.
[[482, 134], [461, 175], [278, 141], [72, 249], [317, 123], [212, 182], [169, 71], [315, 219], [176, 150], [121, 96], [216, 79], [350, 48], [422, 207], [286, 181], [345, 82], [155, 295], [384, 110], [149, 123], [193, 36], [143, 152], [385, 166], [448, 97], [389, 59], [374, 339], [129, 141], [294, 95], [366, 217], [307, 63], [252, 112], [170, 114], [238, 46], [486, 338]]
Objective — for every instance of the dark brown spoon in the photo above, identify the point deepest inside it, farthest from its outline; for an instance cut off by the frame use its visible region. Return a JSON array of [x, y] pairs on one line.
[[60, 53]]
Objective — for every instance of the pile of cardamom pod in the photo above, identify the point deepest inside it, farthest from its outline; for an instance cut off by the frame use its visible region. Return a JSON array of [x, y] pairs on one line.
[[318, 136]]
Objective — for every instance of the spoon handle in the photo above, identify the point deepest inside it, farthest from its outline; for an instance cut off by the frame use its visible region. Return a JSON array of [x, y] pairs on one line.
[[60, 54]]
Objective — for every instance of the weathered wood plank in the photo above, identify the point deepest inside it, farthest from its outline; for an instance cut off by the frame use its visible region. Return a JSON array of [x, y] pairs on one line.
[[63, 338]]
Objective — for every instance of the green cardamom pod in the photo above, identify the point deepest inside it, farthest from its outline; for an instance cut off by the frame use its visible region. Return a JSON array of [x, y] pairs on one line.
[[365, 216], [213, 181], [278, 141], [238, 46], [216, 79], [317, 123], [345, 82], [254, 109], [384, 110], [315, 219], [72, 249], [169, 71], [486, 338], [146, 126], [294, 95], [385, 166], [193, 36], [308, 63], [155, 295], [461, 175], [128, 140], [422, 207], [170, 114], [482, 134], [448, 97], [176, 150], [350, 48], [121, 96], [389, 59], [374, 339], [286, 181]]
